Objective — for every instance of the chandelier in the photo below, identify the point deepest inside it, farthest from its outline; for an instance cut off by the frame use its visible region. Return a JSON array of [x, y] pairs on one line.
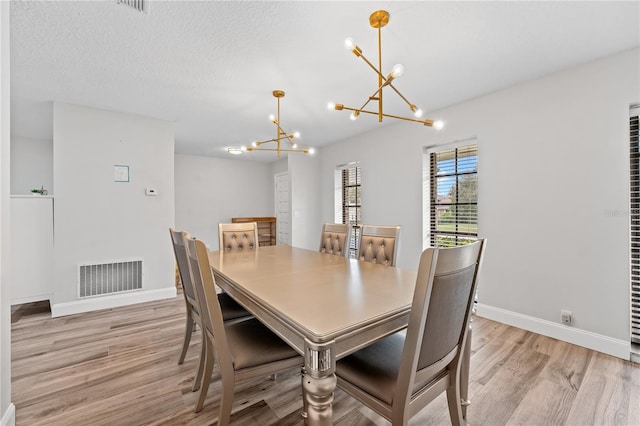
[[281, 134], [379, 19]]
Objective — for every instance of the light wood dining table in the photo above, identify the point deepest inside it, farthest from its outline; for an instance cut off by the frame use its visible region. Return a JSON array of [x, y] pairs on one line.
[[324, 306]]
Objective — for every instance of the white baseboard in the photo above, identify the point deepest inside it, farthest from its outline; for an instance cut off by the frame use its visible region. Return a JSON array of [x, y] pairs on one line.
[[597, 342], [30, 299], [9, 416], [113, 301]]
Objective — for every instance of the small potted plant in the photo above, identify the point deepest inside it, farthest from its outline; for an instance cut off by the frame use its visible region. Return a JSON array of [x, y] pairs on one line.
[[40, 191]]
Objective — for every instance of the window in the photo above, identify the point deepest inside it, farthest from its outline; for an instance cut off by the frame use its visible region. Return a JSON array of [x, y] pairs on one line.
[[453, 196], [634, 208], [349, 207]]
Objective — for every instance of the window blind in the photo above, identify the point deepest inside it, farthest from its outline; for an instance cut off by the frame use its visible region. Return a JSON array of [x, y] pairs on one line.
[[634, 223], [352, 205], [453, 206]]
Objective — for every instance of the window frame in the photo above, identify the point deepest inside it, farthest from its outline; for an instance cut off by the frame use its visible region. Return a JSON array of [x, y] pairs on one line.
[[342, 207], [427, 187]]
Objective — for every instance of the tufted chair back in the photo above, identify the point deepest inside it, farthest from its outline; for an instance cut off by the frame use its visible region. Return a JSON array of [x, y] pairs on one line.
[[335, 238], [238, 236], [379, 244]]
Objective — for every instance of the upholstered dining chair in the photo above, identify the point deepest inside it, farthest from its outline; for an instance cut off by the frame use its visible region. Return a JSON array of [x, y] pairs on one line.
[[245, 350], [379, 244], [231, 310], [335, 238], [238, 236], [398, 376]]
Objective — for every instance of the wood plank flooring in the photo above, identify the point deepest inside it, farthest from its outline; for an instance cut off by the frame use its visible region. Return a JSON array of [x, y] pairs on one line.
[[119, 367]]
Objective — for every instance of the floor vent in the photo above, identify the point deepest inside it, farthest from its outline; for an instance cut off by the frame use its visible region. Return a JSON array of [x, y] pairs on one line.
[[109, 278], [139, 5]]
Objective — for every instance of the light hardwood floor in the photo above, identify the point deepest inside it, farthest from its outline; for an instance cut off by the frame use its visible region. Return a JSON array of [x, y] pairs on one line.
[[119, 367]]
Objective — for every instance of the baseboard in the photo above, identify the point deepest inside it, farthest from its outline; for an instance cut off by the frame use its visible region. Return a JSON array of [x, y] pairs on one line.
[[597, 342], [113, 301], [9, 416], [31, 299]]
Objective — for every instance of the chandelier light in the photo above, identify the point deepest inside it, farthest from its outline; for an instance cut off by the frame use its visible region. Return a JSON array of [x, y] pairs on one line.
[[379, 19], [281, 134]]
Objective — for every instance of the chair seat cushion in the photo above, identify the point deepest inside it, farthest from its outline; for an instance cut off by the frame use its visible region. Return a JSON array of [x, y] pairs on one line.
[[252, 344], [374, 369], [230, 308]]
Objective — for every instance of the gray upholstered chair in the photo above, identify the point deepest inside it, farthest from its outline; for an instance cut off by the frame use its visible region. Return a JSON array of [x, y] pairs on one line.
[[231, 310], [398, 376], [238, 236], [379, 244], [335, 239], [245, 350]]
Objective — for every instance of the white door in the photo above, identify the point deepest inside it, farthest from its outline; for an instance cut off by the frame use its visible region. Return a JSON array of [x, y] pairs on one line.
[[283, 224]]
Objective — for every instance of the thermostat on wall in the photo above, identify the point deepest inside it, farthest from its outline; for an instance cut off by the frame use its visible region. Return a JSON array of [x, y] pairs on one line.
[[150, 191]]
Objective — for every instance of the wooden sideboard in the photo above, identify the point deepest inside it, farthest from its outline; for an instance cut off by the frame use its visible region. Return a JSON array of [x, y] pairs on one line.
[[266, 228]]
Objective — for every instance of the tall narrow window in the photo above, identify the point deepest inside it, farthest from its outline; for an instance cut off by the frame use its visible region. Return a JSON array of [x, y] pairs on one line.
[[350, 207], [634, 209], [453, 200]]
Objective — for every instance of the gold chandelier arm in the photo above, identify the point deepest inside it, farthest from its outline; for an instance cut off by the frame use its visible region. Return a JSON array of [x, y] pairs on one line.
[[400, 94], [306, 151], [267, 141], [289, 137], [376, 70], [415, 120]]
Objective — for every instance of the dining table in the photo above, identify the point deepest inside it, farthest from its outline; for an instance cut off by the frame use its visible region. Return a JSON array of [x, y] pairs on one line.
[[324, 306]]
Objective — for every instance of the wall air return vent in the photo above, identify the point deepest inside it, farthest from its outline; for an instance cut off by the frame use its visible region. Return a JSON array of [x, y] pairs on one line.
[[109, 278], [139, 5]]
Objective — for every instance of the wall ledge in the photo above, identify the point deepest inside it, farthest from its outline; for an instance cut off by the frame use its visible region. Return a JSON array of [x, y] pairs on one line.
[[107, 302], [597, 342]]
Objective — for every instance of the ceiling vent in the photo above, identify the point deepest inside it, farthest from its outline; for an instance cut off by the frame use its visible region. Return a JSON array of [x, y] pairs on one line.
[[139, 5]]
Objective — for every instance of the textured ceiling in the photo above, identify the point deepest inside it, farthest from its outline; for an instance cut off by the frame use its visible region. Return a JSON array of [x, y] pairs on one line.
[[211, 67]]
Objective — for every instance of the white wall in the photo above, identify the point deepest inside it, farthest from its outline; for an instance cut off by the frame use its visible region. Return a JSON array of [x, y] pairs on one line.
[[31, 165], [98, 220], [7, 409], [306, 225], [213, 190], [553, 196]]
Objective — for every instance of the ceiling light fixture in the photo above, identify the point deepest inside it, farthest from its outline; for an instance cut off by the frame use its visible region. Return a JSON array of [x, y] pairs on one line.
[[235, 150], [281, 134], [379, 19]]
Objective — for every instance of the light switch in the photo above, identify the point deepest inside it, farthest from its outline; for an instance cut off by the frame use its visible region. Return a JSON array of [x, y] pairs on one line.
[[150, 191]]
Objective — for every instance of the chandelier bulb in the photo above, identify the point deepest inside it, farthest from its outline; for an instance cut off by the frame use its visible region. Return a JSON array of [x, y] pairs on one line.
[[254, 144], [296, 135], [331, 105], [397, 70], [354, 115], [417, 113], [311, 150], [438, 124], [272, 118], [294, 145], [349, 44]]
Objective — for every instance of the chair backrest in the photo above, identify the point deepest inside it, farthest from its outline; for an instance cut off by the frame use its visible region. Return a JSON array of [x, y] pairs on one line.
[[439, 318], [238, 236], [178, 240], [379, 244], [335, 238], [211, 313]]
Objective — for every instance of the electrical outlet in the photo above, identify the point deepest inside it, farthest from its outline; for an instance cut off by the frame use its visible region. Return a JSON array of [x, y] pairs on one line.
[[567, 317]]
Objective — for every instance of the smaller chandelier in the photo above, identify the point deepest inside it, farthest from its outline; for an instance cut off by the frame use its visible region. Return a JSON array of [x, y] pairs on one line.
[[281, 134], [379, 19]]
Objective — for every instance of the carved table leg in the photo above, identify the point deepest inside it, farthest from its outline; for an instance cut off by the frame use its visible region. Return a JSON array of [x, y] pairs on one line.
[[318, 384]]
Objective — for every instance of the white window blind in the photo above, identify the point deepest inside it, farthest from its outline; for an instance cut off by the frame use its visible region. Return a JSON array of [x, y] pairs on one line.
[[351, 191], [453, 204], [634, 201]]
